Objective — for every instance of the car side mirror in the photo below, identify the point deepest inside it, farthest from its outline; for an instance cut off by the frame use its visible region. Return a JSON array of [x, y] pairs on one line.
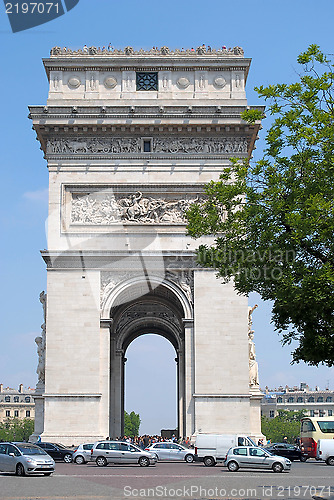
[[11, 455]]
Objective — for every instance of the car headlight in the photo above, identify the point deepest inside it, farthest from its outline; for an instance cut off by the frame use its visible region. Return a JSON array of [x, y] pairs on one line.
[[31, 461]]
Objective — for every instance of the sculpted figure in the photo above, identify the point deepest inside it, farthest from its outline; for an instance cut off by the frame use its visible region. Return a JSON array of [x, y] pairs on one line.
[[253, 365], [40, 341]]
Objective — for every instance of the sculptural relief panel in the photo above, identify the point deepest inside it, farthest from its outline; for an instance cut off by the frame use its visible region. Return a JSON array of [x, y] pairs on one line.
[[108, 208], [133, 145]]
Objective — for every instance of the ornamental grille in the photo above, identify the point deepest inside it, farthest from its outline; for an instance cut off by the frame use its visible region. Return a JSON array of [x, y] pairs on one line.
[[147, 81]]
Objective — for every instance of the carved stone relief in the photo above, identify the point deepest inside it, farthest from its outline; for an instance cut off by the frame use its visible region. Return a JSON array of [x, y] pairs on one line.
[[253, 364], [168, 145], [185, 280], [109, 279], [74, 82], [110, 82], [183, 82], [106, 208], [148, 310], [41, 343]]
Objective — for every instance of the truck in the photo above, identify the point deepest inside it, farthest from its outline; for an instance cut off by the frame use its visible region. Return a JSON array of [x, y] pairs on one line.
[[325, 450], [213, 448]]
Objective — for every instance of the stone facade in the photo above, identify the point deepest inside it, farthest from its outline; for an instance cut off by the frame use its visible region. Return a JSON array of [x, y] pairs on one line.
[[130, 138], [16, 403], [314, 402]]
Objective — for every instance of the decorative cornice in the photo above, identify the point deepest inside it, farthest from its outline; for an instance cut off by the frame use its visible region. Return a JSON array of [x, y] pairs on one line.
[[131, 52]]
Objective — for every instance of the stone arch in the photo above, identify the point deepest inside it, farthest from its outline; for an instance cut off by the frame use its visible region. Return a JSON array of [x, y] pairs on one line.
[[160, 311], [125, 290]]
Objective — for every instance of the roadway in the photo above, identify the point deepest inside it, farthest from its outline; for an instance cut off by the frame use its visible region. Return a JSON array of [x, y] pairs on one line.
[[170, 480]]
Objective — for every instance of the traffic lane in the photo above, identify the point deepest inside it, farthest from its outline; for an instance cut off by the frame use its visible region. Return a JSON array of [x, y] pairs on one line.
[[312, 476], [170, 480]]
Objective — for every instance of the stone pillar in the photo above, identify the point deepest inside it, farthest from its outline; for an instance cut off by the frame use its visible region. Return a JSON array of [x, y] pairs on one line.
[[181, 393], [116, 391], [105, 326], [189, 360]]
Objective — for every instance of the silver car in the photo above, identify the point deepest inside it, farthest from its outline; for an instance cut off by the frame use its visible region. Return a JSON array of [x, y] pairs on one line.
[[171, 451], [82, 454], [25, 458], [118, 452], [255, 458]]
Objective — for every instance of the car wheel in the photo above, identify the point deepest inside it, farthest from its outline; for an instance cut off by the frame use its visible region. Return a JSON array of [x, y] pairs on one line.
[[20, 470], [233, 466], [47, 473], [67, 458], [330, 461], [303, 459], [101, 461], [79, 460], [189, 458], [209, 461], [277, 467], [144, 462]]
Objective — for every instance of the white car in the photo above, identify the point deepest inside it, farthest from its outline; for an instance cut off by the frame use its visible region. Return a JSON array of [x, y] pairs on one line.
[[171, 451]]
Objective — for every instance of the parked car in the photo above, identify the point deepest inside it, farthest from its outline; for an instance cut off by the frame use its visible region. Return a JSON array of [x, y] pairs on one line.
[[82, 454], [325, 451], [25, 459], [171, 451], [255, 458], [57, 451], [290, 451], [118, 452]]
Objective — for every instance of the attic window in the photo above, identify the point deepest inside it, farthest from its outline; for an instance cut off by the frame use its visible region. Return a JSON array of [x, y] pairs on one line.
[[147, 81]]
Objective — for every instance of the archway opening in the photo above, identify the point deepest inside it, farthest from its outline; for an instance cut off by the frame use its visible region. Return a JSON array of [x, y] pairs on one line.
[[159, 312], [151, 383]]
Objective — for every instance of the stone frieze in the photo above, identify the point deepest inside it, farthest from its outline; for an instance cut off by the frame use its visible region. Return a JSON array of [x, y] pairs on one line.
[[107, 209], [161, 145]]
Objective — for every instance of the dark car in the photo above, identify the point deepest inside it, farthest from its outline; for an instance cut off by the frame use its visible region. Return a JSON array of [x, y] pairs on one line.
[[291, 451], [57, 451]]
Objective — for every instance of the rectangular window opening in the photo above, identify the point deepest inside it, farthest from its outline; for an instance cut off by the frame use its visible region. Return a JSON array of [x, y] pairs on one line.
[[147, 145], [147, 81]]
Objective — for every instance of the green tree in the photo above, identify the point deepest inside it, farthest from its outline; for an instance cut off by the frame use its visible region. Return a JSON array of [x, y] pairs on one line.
[[273, 219], [131, 424], [14, 429], [285, 424]]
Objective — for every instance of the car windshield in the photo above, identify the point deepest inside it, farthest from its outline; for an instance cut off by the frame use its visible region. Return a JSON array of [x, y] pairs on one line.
[[30, 450]]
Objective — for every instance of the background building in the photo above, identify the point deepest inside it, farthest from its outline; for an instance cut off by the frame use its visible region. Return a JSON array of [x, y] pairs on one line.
[[16, 403], [316, 402]]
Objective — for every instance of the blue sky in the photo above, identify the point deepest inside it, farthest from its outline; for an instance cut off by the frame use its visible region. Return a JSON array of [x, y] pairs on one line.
[[272, 33]]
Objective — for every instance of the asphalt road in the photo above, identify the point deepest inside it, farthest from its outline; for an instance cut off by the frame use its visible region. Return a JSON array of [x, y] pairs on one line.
[[170, 480]]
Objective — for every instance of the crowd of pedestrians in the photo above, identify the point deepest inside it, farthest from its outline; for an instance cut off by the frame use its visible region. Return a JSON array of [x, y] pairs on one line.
[[145, 441]]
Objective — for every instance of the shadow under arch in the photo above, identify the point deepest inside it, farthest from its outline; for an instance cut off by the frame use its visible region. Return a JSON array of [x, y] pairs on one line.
[[162, 311]]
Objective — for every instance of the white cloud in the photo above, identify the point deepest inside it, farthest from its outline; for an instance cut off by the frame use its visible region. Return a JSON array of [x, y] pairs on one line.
[[41, 195]]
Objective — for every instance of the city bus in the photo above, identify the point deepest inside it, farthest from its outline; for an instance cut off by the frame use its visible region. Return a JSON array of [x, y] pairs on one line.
[[312, 429]]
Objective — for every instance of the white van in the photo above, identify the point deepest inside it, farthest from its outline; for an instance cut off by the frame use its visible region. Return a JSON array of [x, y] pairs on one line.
[[325, 450], [213, 448]]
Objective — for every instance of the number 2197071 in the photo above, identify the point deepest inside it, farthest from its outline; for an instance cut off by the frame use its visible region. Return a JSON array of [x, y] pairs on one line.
[[32, 8]]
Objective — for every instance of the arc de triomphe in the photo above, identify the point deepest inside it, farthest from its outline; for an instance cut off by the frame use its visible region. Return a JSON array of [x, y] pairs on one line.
[[130, 138]]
